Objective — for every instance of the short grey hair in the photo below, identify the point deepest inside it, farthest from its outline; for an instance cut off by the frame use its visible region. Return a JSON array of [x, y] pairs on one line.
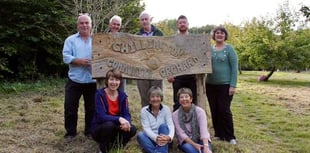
[[116, 17], [145, 13], [155, 90], [84, 15]]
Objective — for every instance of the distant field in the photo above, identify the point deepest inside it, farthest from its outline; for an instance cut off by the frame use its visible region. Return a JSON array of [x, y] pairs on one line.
[[269, 117]]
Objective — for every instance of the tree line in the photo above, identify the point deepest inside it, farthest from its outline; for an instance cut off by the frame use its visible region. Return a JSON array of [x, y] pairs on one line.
[[33, 32]]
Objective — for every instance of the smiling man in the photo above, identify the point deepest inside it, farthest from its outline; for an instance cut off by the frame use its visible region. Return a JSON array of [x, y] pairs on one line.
[[77, 53], [147, 29]]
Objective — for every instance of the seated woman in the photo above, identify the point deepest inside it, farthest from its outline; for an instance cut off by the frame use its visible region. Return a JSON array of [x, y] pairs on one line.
[[190, 123], [111, 125], [156, 120]]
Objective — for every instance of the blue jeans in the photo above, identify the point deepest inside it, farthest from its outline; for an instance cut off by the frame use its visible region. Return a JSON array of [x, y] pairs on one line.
[[188, 148], [149, 145]]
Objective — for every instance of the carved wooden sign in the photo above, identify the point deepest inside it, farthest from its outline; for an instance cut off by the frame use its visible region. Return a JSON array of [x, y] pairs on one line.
[[153, 57]]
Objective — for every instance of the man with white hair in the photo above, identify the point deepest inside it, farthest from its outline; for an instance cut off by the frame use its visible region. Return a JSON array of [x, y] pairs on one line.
[[115, 24], [77, 52], [147, 29]]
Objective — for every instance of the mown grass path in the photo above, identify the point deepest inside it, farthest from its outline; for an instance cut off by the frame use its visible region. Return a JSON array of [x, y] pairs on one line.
[[269, 117]]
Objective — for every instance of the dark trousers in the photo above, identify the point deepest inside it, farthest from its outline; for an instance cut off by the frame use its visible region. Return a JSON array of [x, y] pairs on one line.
[[109, 135], [144, 86], [178, 84], [219, 102], [73, 93]]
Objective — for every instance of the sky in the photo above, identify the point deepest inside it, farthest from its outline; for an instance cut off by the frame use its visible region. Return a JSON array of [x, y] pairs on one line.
[[216, 12]]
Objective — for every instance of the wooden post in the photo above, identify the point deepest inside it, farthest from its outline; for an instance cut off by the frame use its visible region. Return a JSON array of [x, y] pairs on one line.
[[201, 91], [100, 82]]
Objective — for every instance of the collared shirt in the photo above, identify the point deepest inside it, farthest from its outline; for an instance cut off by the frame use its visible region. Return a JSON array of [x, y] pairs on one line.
[[148, 33], [151, 123], [76, 47]]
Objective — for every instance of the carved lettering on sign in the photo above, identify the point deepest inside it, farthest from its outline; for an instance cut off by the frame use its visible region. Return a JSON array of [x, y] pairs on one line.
[[129, 70], [153, 57], [174, 69], [134, 46]]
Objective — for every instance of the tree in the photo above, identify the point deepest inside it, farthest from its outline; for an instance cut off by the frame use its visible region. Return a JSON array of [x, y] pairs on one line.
[[202, 30], [31, 35], [168, 27], [33, 32], [306, 11], [102, 10], [272, 44]]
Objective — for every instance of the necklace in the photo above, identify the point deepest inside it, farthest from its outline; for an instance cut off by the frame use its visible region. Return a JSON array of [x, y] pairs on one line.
[[219, 55]]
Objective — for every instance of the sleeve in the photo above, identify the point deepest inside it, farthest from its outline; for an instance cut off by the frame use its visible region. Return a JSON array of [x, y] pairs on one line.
[[169, 122], [102, 110], [178, 130], [159, 33], [203, 123], [146, 125], [68, 51], [233, 63]]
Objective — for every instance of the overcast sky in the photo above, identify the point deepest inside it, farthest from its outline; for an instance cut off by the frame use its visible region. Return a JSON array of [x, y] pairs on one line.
[[203, 12]]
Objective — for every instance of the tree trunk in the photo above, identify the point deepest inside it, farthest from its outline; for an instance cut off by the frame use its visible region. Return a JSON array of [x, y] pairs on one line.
[[270, 74]]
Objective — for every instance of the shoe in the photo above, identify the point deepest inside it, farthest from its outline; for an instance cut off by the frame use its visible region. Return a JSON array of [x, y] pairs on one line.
[[69, 139], [233, 141]]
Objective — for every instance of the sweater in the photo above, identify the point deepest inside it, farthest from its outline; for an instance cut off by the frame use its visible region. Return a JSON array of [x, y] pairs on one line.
[[202, 123], [151, 123], [224, 67], [101, 114]]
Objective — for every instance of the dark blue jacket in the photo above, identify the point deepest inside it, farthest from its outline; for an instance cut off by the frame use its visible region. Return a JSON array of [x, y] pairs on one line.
[[156, 32], [101, 114]]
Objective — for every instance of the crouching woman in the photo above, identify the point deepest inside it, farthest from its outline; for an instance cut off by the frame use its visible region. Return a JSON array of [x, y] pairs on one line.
[[156, 120], [111, 126], [190, 123]]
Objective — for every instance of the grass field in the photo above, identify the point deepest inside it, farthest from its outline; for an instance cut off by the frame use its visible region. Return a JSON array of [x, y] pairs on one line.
[[269, 117]]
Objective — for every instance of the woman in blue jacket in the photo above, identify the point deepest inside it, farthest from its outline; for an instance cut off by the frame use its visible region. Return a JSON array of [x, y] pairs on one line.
[[111, 126]]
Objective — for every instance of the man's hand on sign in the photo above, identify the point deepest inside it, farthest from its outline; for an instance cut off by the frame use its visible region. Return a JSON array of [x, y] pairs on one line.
[[170, 79]]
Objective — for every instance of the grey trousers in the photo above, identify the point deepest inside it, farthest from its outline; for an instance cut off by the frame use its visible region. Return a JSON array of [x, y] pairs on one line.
[[144, 86]]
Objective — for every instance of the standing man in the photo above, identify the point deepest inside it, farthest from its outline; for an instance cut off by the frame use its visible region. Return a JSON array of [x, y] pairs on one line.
[[77, 52], [115, 26], [188, 81], [147, 29]]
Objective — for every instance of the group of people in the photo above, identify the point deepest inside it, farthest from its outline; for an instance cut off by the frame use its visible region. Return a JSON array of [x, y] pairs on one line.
[[107, 116]]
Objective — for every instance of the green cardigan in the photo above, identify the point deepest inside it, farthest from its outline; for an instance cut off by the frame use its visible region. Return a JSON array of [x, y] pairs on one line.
[[224, 67]]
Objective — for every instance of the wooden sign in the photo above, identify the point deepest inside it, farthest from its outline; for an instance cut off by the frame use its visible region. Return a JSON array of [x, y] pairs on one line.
[[153, 57]]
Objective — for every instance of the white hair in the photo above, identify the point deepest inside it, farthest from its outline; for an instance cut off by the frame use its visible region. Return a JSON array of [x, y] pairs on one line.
[[116, 17], [84, 15], [145, 13]]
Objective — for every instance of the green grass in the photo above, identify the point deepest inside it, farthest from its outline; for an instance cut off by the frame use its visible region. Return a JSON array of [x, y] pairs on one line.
[[270, 117]]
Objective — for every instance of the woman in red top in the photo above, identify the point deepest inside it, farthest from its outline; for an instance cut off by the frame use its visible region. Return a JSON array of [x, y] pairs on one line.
[[111, 126]]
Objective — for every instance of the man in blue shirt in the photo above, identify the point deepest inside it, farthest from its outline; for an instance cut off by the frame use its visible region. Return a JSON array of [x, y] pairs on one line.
[[77, 53]]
